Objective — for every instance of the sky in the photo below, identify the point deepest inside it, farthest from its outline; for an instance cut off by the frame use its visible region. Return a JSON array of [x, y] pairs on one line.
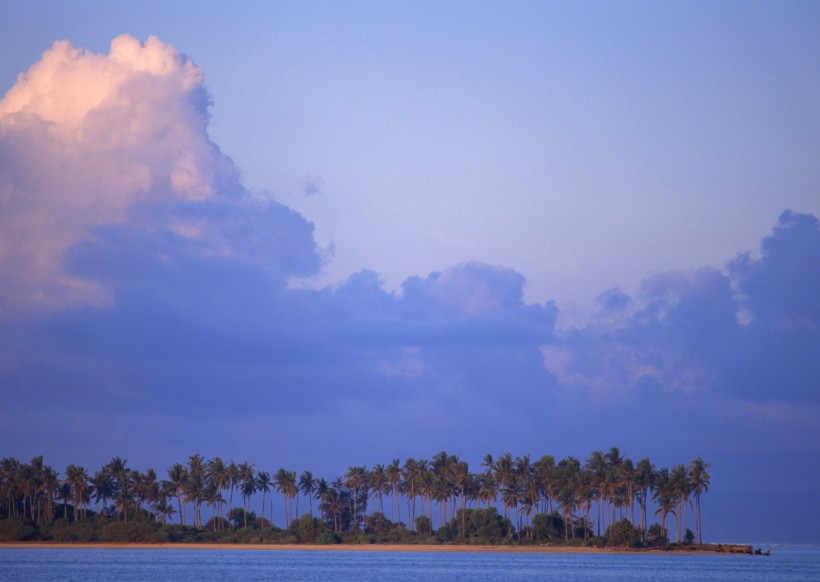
[[320, 234]]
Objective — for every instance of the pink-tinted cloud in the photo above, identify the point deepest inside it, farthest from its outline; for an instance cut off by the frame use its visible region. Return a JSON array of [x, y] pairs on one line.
[[86, 138]]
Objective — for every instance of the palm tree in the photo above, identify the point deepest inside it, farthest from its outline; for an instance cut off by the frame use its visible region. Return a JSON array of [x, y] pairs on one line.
[[213, 498], [9, 471], [410, 475], [38, 487], [504, 472], [104, 488], [26, 482], [393, 474], [234, 481], [441, 492], [247, 486], [152, 489], [307, 486], [197, 474], [263, 484], [487, 490], [680, 490], [196, 465], [627, 485], [441, 466], [545, 479], [614, 462], [587, 494], [123, 480], [332, 505], [598, 467], [51, 485], [699, 478], [473, 491], [664, 496], [461, 478], [194, 489], [164, 509], [140, 491], [644, 482], [424, 480], [511, 496], [283, 483], [217, 473], [378, 484], [488, 463], [177, 477], [77, 479], [425, 489], [525, 473], [320, 490], [570, 488], [355, 480]]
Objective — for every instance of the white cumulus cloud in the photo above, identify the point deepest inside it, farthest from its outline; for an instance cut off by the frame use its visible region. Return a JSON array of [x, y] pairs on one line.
[[84, 137]]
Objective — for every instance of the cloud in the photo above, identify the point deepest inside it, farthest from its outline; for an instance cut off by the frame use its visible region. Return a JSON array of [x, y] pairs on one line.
[[312, 187], [780, 287], [93, 142], [752, 331], [613, 300], [150, 271], [779, 292], [125, 226]]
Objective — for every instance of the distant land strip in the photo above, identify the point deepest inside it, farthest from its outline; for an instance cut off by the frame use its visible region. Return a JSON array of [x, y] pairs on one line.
[[602, 503]]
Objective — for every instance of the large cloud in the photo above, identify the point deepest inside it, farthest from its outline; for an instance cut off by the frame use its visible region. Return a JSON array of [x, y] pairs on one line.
[[90, 141], [140, 254], [752, 331]]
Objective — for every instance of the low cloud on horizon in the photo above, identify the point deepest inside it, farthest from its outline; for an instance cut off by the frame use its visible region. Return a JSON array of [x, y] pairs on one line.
[[146, 311]]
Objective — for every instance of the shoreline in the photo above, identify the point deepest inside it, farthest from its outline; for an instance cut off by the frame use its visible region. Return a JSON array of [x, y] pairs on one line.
[[352, 548]]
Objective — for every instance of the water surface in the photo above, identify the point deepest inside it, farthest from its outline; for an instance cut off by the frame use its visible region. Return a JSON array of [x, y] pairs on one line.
[[785, 564]]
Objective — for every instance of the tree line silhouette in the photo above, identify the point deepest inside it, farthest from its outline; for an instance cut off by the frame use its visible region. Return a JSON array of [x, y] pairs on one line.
[[571, 499]]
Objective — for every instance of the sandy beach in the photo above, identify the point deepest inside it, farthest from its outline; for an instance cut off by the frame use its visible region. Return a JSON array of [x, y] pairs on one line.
[[338, 548]]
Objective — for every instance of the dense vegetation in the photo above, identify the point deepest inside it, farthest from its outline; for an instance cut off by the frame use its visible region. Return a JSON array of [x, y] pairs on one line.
[[604, 501]]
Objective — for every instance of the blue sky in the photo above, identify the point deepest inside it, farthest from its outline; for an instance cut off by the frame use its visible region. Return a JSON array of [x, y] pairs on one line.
[[340, 233]]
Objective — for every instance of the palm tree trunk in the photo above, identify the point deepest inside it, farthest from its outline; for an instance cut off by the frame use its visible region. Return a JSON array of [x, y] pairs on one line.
[[398, 503]]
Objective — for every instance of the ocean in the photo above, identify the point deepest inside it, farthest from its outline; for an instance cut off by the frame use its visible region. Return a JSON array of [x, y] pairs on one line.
[[86, 565]]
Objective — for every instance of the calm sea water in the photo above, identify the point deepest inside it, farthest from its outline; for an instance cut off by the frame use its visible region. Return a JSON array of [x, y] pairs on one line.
[[183, 565]]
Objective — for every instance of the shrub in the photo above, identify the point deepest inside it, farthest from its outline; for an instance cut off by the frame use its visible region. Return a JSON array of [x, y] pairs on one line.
[[377, 523], [486, 523], [623, 535], [14, 529], [598, 542], [446, 533], [79, 531], [327, 538], [689, 537], [218, 524], [255, 535], [180, 533], [547, 526], [655, 535], [238, 517], [127, 532], [309, 528], [423, 524]]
